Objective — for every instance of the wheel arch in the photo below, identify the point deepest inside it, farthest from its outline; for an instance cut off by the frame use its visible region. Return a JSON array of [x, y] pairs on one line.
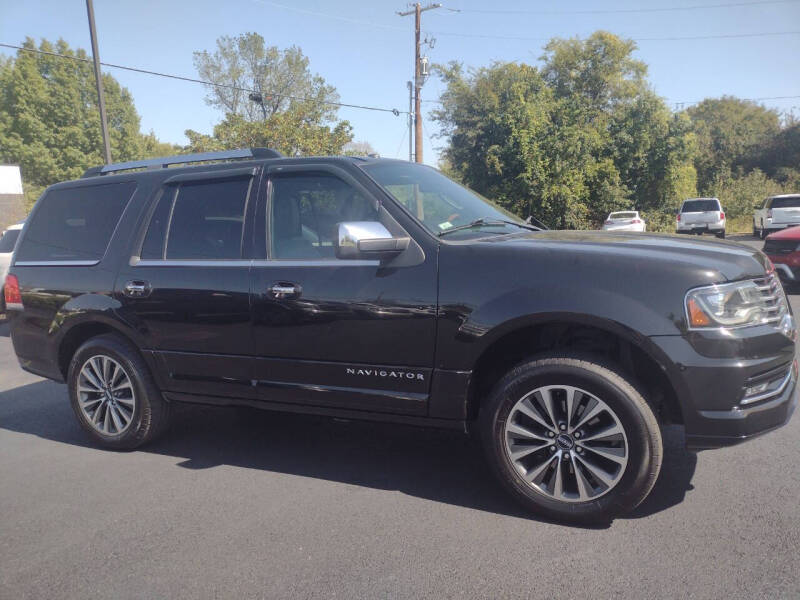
[[78, 333], [523, 338]]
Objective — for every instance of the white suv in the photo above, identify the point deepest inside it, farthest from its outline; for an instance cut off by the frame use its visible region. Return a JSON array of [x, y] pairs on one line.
[[777, 212], [701, 215]]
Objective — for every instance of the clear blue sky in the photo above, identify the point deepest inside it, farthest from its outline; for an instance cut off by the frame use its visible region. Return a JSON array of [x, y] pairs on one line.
[[366, 50]]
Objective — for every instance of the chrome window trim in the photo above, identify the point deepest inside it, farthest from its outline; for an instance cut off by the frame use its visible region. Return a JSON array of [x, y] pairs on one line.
[[135, 261], [59, 263]]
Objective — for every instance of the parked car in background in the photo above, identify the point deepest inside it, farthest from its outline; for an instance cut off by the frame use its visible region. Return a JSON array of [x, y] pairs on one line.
[[776, 213], [783, 249], [701, 215], [7, 242], [628, 220]]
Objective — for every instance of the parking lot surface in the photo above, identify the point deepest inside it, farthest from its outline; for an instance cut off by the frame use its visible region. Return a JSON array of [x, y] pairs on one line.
[[241, 503]]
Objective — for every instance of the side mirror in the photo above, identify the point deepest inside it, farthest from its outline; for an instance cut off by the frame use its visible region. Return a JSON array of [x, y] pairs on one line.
[[367, 240]]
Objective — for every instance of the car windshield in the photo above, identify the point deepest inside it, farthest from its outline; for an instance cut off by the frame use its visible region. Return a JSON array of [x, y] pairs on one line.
[[622, 215], [440, 203], [790, 202], [703, 205], [8, 239]]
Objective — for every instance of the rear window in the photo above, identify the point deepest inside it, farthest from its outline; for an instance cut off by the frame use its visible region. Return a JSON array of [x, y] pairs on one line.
[[199, 221], [792, 202], [623, 215], [700, 206], [8, 239], [75, 224]]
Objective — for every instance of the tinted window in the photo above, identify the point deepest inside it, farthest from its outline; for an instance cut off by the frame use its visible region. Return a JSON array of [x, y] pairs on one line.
[[305, 213], [75, 223], [153, 246], [700, 205], [8, 240], [791, 202], [622, 215], [207, 220]]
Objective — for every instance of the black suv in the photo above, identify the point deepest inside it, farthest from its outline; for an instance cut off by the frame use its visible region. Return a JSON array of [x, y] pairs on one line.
[[379, 289]]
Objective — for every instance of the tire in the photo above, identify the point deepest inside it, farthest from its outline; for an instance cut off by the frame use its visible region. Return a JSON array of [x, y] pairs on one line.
[[756, 232], [639, 446], [721, 235], [136, 404], [764, 233]]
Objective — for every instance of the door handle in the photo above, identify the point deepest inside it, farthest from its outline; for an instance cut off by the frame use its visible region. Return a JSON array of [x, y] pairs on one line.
[[283, 290], [137, 289]]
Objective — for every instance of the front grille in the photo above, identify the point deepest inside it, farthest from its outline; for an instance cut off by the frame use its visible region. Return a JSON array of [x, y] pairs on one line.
[[774, 297], [779, 246]]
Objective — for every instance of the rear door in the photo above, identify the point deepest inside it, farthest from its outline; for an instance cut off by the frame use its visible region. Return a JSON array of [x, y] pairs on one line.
[[700, 212], [351, 334], [186, 287], [786, 211]]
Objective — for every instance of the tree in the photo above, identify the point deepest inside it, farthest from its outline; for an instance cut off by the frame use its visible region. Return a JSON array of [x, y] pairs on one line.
[[358, 148], [571, 142], [289, 133], [50, 122], [729, 133], [282, 77]]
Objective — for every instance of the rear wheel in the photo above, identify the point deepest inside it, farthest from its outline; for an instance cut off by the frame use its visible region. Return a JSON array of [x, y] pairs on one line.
[[721, 235], [113, 394], [756, 232], [572, 439]]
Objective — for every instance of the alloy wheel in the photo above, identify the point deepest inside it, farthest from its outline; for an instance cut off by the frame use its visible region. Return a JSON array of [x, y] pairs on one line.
[[566, 443], [105, 395]]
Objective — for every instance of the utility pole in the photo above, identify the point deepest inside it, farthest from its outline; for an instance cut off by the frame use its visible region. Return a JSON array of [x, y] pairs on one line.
[[101, 99], [417, 12], [410, 121]]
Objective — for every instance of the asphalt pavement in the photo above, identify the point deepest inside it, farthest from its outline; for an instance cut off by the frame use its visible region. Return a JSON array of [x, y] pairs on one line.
[[236, 503]]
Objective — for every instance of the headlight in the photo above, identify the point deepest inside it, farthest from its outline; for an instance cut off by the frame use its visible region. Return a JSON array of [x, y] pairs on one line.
[[738, 304]]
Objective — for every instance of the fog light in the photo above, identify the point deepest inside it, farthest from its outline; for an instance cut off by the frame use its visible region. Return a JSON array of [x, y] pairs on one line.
[[756, 389]]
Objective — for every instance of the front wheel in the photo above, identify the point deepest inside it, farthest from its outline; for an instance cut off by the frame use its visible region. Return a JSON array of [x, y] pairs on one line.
[[572, 439]]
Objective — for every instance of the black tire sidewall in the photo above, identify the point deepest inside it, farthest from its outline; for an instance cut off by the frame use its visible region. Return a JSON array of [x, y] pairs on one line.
[[644, 444], [140, 422]]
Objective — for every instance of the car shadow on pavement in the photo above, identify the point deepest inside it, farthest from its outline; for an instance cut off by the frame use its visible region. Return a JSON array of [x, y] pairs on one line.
[[443, 466]]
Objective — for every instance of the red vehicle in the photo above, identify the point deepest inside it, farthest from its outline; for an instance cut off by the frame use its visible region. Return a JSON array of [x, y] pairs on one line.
[[783, 249]]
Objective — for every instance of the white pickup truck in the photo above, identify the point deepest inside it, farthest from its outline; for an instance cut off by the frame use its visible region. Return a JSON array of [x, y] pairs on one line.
[[777, 212]]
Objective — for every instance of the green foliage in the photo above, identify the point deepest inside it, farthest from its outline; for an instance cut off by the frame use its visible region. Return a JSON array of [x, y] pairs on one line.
[[293, 117], [568, 143], [729, 133], [281, 76], [50, 122]]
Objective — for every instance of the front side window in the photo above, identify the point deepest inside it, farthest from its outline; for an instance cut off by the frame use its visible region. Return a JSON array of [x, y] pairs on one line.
[[75, 224], [305, 211], [199, 220], [437, 202]]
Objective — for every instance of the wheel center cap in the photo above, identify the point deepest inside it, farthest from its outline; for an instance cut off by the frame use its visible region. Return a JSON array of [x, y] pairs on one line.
[[564, 441]]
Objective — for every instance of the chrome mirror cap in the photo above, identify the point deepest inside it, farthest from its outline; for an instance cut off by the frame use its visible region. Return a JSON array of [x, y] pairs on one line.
[[367, 239]]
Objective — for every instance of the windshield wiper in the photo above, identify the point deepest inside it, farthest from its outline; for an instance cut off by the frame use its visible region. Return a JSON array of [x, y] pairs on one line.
[[487, 222]]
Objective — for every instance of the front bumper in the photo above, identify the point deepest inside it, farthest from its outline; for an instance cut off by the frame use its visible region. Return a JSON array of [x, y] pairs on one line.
[[710, 387]]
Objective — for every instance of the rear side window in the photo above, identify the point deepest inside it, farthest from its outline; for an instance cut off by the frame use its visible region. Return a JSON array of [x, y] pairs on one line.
[[202, 220], [75, 224], [8, 240], [792, 202], [700, 206]]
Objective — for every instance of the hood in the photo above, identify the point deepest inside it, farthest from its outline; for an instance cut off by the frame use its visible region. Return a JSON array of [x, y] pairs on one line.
[[730, 260], [790, 233]]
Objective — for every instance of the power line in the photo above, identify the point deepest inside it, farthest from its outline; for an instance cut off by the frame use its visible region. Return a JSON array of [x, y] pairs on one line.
[[394, 111], [599, 11], [645, 39]]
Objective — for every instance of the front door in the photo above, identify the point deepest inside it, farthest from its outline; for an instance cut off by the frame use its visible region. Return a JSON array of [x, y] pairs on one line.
[[186, 289], [353, 334]]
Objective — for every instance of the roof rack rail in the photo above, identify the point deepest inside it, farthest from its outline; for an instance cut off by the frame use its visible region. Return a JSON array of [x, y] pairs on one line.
[[179, 159]]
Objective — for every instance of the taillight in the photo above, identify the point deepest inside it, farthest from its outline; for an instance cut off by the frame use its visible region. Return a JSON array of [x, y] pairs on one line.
[[769, 213], [636, 221], [678, 217], [608, 221], [11, 291], [721, 216]]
